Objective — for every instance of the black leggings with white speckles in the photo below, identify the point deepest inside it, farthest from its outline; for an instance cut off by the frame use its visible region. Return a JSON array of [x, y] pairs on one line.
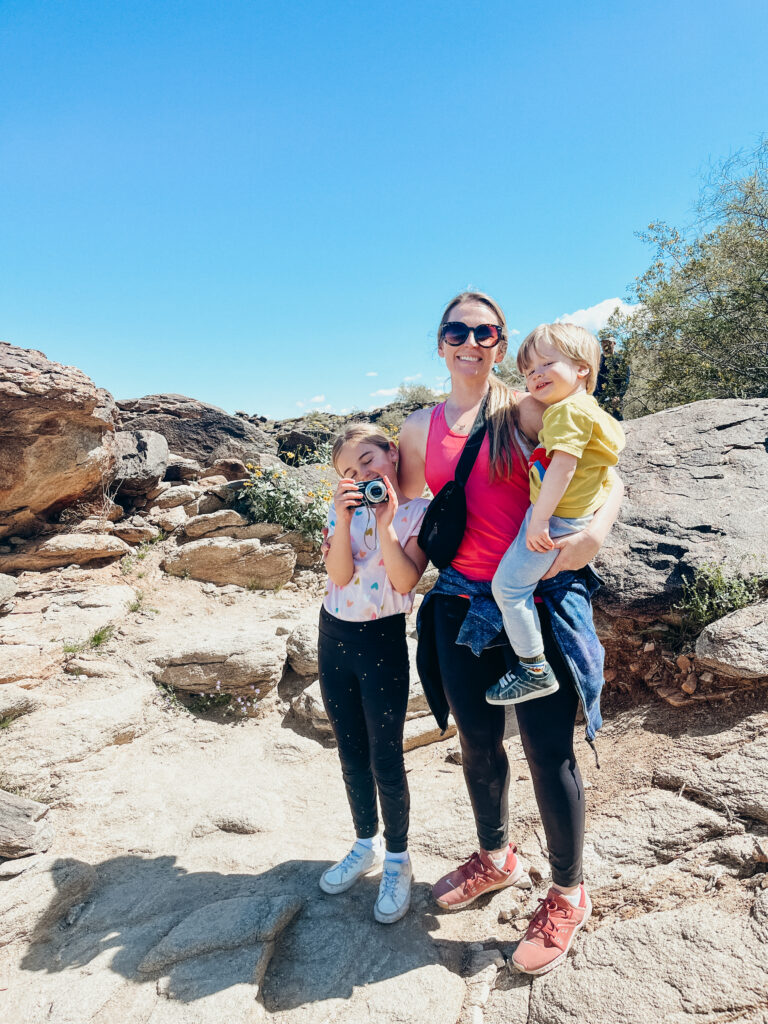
[[363, 668]]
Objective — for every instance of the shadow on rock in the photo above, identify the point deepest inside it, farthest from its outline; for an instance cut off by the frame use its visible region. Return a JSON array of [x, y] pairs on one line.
[[194, 934]]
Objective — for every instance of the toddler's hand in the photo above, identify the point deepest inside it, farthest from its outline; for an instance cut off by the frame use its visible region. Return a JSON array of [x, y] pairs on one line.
[[537, 536], [346, 499], [385, 513]]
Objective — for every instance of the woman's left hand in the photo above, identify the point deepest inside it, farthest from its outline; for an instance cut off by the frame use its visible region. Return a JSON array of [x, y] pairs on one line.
[[385, 513], [576, 551]]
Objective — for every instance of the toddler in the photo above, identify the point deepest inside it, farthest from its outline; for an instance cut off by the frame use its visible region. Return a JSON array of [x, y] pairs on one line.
[[570, 478]]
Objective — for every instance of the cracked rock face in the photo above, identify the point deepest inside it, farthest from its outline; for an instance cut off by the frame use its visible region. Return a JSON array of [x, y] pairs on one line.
[[194, 429], [246, 563], [56, 444], [692, 964], [682, 468], [240, 656], [737, 644]]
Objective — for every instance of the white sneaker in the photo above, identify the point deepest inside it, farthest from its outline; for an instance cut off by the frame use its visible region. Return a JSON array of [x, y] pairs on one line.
[[359, 861], [394, 892]]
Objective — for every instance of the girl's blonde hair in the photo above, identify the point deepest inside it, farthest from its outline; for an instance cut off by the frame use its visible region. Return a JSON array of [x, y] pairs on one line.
[[501, 411], [358, 433], [576, 343]]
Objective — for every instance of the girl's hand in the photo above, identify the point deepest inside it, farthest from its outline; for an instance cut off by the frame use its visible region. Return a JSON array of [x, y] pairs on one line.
[[346, 499], [385, 513], [537, 536], [576, 551]]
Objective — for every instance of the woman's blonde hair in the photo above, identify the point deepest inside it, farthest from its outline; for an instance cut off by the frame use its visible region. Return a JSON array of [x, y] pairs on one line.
[[501, 411], [576, 343], [358, 433]]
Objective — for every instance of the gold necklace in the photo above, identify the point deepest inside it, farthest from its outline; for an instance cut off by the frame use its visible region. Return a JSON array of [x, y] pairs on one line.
[[464, 428]]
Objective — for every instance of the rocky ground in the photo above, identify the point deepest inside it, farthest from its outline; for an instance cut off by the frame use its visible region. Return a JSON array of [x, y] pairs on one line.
[[181, 880]]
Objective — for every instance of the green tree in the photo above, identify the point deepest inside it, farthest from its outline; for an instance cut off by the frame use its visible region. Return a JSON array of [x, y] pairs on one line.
[[701, 326]]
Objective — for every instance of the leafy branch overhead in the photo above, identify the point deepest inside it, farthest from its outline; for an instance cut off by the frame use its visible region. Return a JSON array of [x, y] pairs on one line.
[[701, 327]]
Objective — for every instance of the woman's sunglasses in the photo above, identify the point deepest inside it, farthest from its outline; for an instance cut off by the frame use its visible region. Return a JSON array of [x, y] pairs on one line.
[[456, 333]]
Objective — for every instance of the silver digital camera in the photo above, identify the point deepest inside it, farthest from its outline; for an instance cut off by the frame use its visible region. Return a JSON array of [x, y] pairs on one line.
[[372, 492]]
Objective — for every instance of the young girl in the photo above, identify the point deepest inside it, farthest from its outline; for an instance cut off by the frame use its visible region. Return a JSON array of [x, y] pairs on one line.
[[374, 563]]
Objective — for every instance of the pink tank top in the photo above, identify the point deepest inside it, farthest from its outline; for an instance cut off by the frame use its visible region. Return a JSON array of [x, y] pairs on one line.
[[494, 510]]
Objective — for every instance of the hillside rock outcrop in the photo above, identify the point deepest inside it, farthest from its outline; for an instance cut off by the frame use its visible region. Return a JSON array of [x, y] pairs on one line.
[[142, 461], [196, 430], [246, 563], [56, 438], [64, 549], [696, 478]]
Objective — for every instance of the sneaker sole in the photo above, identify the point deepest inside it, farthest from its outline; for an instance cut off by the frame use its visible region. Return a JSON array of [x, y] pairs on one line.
[[391, 918], [514, 879], [528, 696], [558, 959], [333, 890]]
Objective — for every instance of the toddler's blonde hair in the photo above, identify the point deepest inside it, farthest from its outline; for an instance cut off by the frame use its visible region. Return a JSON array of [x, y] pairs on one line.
[[357, 433], [574, 342]]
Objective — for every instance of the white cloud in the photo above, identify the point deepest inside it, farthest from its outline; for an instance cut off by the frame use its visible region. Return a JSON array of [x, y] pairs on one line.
[[300, 405], [513, 332], [317, 398], [594, 318], [414, 377], [372, 373], [384, 392]]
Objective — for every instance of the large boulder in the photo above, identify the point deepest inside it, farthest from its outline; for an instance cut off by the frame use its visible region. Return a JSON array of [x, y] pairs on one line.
[[696, 478], [246, 563], [142, 460], [64, 549], [196, 430], [231, 655], [737, 644], [56, 438]]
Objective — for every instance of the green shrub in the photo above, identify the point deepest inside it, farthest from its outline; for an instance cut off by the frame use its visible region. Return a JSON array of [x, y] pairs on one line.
[[272, 496], [713, 593]]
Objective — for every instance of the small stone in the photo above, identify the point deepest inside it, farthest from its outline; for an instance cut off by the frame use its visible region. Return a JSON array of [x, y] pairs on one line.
[[706, 677], [650, 646], [690, 684], [609, 675], [635, 666], [683, 663]]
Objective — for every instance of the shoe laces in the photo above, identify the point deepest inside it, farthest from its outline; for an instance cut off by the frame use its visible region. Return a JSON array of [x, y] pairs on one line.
[[350, 859], [473, 867], [389, 881], [548, 921], [474, 871]]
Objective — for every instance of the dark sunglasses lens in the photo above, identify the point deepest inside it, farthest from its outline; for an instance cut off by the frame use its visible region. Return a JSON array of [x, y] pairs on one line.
[[455, 333], [487, 335]]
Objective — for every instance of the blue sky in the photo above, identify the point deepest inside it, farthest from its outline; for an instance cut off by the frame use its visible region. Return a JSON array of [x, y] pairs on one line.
[[262, 204]]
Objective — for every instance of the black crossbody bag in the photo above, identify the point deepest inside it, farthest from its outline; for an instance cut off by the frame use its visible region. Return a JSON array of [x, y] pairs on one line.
[[446, 518]]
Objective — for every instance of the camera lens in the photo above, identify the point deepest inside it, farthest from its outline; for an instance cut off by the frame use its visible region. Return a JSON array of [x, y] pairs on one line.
[[376, 491]]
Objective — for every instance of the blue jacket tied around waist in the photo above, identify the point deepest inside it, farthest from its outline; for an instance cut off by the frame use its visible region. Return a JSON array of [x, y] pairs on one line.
[[567, 618]]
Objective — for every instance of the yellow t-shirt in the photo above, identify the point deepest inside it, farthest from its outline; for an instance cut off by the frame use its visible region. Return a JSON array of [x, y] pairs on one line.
[[579, 426]]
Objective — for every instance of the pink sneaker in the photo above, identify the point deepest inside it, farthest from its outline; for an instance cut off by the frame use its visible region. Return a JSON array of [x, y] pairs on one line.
[[552, 930], [478, 875]]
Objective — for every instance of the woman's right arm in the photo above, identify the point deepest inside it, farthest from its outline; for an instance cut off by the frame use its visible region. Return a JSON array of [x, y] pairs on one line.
[[412, 445]]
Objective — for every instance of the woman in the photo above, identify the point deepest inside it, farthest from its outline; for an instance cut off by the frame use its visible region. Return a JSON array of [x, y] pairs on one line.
[[462, 650]]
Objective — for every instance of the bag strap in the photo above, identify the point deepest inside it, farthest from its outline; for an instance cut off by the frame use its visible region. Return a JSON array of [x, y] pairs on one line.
[[472, 446]]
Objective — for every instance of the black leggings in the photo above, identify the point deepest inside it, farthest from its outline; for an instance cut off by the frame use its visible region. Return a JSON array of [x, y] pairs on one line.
[[363, 668], [546, 730]]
